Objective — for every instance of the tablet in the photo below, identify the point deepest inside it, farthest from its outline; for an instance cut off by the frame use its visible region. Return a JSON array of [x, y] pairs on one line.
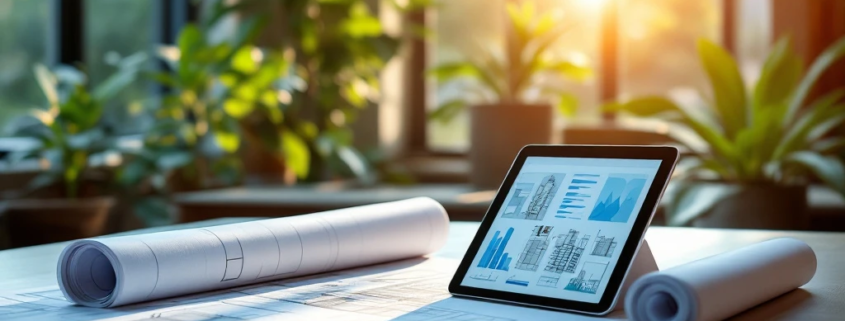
[[565, 225]]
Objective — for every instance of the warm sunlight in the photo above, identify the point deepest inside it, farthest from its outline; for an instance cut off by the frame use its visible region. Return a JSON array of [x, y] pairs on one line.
[[590, 4]]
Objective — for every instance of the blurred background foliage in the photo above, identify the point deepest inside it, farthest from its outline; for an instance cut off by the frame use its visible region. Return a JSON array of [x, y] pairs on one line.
[[525, 70]]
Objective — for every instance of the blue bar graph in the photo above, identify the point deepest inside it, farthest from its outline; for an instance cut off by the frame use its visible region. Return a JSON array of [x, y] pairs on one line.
[[579, 190], [574, 194], [588, 175], [494, 256]]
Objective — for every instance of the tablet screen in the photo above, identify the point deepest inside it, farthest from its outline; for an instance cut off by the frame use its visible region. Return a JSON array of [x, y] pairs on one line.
[[562, 226]]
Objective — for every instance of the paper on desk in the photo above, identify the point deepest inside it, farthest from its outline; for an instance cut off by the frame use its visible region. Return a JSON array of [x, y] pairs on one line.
[[723, 285], [410, 290], [110, 272]]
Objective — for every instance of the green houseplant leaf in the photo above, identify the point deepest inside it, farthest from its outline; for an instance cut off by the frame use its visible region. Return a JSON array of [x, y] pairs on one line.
[[728, 87], [827, 168], [517, 70], [769, 140], [832, 54], [780, 75], [297, 155]]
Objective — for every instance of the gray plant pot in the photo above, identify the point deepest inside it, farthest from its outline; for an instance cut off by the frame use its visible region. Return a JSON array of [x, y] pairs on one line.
[[497, 134], [759, 206]]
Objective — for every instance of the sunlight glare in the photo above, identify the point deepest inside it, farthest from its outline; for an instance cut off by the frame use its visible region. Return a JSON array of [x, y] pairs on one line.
[[590, 4]]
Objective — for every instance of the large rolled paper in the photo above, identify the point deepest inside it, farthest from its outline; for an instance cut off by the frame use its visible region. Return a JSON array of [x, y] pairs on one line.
[[114, 271], [723, 285]]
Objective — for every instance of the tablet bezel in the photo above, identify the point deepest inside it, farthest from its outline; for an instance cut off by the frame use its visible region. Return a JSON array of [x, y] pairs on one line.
[[668, 156]]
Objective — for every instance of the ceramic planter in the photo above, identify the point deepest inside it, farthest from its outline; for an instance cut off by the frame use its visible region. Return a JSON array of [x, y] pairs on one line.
[[497, 134]]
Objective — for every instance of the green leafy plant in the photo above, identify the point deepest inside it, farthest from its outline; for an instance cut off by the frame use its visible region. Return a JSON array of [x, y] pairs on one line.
[[72, 137], [213, 88], [528, 65], [768, 135], [338, 49]]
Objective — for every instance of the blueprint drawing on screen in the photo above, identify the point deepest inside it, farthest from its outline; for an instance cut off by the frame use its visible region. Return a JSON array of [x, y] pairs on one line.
[[531, 195], [618, 198]]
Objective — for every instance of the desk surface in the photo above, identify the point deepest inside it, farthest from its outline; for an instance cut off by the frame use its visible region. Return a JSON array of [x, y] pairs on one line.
[[820, 300]]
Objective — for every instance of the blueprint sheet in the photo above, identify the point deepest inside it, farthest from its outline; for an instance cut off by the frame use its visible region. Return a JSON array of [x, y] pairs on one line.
[[413, 289]]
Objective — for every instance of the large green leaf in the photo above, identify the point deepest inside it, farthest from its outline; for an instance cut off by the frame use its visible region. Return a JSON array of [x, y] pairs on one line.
[[189, 39], [567, 69], [658, 106], [756, 143], [728, 87], [836, 119], [447, 111], [228, 141], [780, 74], [567, 104], [819, 111], [647, 106], [451, 71], [355, 162], [832, 145], [47, 81], [244, 60], [688, 200], [829, 168], [297, 155], [115, 83], [833, 53]]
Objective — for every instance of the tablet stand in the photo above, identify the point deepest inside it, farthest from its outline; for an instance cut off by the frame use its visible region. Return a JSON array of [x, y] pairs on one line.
[[643, 264]]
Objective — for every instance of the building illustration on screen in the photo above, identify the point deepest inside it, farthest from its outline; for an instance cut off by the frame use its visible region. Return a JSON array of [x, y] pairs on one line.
[[618, 198], [567, 252], [604, 245], [588, 279], [535, 248], [494, 256], [520, 195], [576, 195], [523, 204]]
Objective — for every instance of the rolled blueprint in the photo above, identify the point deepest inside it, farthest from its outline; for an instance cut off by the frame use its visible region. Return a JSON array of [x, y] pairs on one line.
[[723, 285], [114, 271]]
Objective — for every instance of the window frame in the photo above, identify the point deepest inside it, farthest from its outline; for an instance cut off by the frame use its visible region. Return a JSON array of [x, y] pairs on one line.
[[67, 44], [608, 75]]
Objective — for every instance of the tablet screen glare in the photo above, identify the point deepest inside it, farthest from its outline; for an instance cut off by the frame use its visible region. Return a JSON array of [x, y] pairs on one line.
[[562, 226]]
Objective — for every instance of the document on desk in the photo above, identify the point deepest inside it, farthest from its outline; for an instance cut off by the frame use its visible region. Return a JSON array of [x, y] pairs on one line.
[[115, 271], [411, 290]]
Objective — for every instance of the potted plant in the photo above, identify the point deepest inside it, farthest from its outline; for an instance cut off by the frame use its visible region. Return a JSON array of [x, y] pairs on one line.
[[763, 147], [339, 50], [75, 146], [512, 96], [203, 124]]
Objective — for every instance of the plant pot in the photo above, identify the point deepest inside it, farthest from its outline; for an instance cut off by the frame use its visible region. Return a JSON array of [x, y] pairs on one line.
[[497, 134], [758, 206], [40, 221], [262, 166]]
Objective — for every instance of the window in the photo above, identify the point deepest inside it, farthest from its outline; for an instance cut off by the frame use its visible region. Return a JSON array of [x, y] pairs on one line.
[[115, 29], [658, 52], [23, 42], [754, 36], [464, 26]]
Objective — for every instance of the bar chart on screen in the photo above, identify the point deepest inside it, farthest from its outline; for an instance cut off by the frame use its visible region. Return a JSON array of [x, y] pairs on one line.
[[495, 257], [577, 195]]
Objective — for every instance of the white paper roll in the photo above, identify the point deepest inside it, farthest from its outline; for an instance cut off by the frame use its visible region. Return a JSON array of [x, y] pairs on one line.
[[109, 272], [723, 285]]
